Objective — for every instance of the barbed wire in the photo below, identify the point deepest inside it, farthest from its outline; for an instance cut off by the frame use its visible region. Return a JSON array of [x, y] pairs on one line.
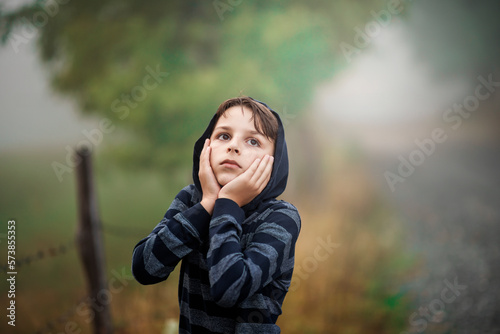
[[63, 248], [41, 254]]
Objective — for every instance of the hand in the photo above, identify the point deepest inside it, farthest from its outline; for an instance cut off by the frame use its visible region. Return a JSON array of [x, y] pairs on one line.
[[209, 185], [246, 186]]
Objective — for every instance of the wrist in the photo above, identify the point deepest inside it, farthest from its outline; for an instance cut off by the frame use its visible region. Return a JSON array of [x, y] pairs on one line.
[[208, 204], [226, 206], [227, 196]]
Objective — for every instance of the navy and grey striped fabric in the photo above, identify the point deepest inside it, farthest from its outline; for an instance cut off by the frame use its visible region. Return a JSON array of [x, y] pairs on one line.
[[236, 265]]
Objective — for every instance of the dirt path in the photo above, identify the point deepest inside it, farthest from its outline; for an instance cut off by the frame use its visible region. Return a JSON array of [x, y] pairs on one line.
[[450, 207]]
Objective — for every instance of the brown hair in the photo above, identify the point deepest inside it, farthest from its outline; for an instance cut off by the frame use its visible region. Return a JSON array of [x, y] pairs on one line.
[[264, 120]]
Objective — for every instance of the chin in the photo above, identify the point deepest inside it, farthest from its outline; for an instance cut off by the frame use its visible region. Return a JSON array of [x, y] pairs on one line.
[[225, 179]]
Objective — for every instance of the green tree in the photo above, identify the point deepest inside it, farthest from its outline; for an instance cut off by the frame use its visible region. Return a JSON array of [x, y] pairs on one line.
[[102, 53]]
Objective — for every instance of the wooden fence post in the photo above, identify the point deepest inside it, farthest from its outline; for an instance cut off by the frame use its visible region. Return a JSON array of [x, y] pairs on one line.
[[90, 245]]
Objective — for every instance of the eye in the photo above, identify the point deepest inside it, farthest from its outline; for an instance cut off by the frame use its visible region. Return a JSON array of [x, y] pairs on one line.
[[223, 136], [254, 142]]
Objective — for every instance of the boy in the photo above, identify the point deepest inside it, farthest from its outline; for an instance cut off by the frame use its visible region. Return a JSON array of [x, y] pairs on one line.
[[235, 240]]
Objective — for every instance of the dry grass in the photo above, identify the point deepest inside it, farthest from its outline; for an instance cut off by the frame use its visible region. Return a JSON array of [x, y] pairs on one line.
[[355, 289], [352, 290]]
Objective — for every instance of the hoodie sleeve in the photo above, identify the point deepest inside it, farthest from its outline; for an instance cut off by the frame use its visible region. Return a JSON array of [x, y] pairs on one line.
[[178, 234], [235, 273]]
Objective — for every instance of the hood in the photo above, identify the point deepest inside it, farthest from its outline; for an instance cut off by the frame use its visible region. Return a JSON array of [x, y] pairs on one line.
[[279, 175]]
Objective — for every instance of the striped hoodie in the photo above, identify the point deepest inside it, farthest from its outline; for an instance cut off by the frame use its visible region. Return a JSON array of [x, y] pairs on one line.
[[236, 264]]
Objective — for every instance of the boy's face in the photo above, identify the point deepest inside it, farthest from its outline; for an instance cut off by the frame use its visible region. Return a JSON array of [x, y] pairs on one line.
[[235, 144]]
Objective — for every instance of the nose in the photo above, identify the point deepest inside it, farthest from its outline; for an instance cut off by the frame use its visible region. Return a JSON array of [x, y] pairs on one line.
[[233, 147]]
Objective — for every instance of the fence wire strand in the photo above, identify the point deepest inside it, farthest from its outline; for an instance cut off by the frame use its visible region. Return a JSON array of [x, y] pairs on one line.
[[62, 249], [41, 254]]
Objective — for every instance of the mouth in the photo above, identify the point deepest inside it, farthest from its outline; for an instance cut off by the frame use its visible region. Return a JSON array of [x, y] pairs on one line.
[[230, 164]]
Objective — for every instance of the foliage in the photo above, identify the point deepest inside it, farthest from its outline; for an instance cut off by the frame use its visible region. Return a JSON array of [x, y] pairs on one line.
[[99, 53]]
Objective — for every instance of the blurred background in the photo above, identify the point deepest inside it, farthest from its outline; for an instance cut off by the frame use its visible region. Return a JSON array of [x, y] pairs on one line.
[[391, 112]]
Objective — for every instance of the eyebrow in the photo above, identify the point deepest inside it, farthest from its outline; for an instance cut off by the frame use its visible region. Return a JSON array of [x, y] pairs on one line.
[[228, 128]]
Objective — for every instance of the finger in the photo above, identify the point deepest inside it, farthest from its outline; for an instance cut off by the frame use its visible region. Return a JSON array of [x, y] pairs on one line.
[[205, 151], [260, 169], [265, 172], [250, 172], [205, 159], [269, 170]]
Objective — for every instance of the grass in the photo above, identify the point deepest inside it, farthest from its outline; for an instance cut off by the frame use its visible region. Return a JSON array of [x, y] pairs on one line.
[[355, 289]]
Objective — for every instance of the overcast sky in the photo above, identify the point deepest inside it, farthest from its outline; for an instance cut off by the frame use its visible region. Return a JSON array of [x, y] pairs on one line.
[[31, 114]]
